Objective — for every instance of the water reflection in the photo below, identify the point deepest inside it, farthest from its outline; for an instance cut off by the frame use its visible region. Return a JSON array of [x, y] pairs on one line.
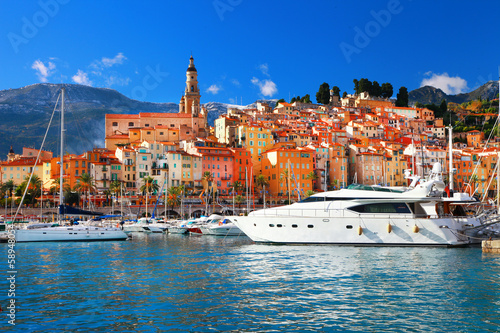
[[162, 282]]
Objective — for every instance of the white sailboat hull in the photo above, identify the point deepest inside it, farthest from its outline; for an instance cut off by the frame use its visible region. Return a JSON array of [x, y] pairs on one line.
[[69, 234]]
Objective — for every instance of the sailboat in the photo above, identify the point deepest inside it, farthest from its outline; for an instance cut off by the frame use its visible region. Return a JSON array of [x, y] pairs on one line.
[[48, 232]]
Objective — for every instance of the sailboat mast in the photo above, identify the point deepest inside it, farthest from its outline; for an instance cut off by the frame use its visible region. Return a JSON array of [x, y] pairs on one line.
[[61, 166], [450, 171]]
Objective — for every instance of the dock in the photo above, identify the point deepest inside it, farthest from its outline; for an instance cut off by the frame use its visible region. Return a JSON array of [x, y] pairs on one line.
[[491, 246]]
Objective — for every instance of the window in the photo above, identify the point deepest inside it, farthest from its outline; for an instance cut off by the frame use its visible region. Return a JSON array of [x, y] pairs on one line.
[[130, 124]]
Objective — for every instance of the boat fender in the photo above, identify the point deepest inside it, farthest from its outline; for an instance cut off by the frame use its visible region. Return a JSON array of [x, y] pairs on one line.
[[389, 228], [415, 228], [118, 225], [360, 230], [220, 222]]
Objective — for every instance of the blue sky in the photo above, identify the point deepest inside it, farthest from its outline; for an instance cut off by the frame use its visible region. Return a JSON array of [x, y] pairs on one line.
[[246, 50]]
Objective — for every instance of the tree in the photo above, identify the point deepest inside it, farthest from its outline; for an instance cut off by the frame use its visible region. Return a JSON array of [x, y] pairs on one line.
[[365, 85], [149, 185], [306, 99], [8, 188], [356, 86], [443, 106], [115, 187], [261, 181], [387, 90], [280, 101], [312, 176], [239, 200], [323, 94], [285, 176], [174, 196], [84, 183], [336, 91], [376, 89], [344, 95], [402, 97], [236, 186], [34, 188], [309, 193]]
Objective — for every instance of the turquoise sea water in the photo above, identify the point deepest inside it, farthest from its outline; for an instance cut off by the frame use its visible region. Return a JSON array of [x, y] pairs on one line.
[[158, 283]]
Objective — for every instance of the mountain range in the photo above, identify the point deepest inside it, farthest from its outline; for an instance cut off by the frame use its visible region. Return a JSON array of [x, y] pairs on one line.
[[26, 112], [431, 95]]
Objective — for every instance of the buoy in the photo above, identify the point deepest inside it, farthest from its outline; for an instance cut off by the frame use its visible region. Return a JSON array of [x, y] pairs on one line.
[[220, 222], [360, 230], [389, 228], [415, 228]]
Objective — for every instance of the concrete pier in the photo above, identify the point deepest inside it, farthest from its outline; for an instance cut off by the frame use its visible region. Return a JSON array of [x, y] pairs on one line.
[[491, 246]]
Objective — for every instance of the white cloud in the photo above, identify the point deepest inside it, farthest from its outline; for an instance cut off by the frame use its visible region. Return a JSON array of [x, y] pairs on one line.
[[81, 78], [450, 85], [267, 87], [43, 71], [98, 65], [118, 81], [236, 82], [214, 89], [264, 68], [117, 60]]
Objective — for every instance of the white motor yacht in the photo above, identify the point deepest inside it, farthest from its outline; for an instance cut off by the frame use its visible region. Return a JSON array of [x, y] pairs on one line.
[[369, 215]]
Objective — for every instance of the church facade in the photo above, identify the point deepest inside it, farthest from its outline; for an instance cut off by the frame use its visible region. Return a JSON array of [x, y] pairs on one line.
[[188, 124]]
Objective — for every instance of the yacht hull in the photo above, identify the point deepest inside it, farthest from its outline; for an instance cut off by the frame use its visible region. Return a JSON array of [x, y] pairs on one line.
[[367, 231]]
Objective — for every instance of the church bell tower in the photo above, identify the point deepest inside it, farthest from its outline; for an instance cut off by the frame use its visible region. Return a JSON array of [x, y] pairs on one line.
[[190, 102]]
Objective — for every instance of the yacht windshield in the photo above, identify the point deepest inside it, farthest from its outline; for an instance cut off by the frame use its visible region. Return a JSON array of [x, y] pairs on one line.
[[372, 188]]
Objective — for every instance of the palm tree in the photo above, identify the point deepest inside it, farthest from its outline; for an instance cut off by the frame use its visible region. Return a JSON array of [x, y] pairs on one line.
[[239, 200], [309, 193], [261, 182], [7, 188], [174, 196], [85, 183], [285, 176], [34, 187], [313, 176], [149, 185], [206, 181], [236, 186]]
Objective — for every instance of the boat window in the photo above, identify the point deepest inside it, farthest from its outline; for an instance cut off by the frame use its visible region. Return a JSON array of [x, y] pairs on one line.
[[389, 207], [271, 225], [310, 226], [316, 199], [372, 188], [279, 225], [348, 226], [294, 226]]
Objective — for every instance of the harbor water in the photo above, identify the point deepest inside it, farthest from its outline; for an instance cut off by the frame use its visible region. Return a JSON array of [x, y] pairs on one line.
[[177, 283]]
